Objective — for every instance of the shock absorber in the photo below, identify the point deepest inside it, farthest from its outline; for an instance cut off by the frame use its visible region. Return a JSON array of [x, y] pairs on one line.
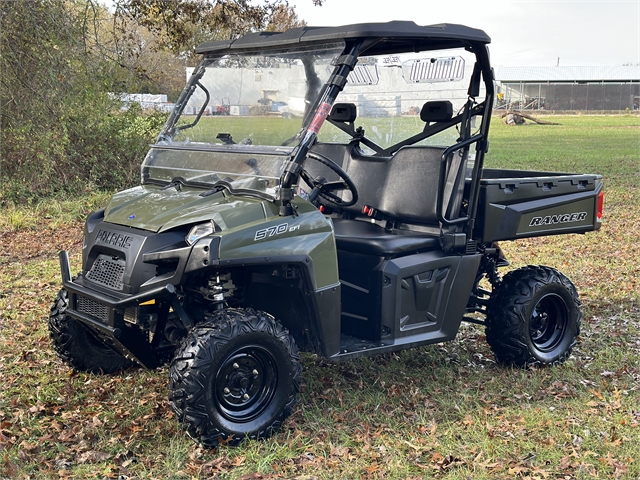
[[491, 271], [216, 290], [491, 260]]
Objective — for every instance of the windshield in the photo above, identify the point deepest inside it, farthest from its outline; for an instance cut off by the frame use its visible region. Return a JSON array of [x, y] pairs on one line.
[[250, 99], [241, 116], [239, 119]]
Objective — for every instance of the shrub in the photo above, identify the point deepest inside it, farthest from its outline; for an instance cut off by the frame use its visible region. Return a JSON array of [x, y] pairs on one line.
[[62, 132], [93, 148]]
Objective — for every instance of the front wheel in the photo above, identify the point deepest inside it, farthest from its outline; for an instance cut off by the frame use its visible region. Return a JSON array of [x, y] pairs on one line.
[[235, 376], [533, 317]]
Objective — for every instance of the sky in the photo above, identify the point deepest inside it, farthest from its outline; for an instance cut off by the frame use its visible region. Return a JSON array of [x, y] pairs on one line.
[[523, 33]]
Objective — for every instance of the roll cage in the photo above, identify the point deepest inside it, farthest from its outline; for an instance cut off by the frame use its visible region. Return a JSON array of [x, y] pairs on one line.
[[379, 39]]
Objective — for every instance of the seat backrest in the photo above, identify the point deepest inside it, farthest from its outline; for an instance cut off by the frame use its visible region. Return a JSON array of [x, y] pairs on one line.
[[369, 175], [403, 186], [411, 188]]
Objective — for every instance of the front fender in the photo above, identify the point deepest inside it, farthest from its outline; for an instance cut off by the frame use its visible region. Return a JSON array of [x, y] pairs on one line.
[[307, 237]]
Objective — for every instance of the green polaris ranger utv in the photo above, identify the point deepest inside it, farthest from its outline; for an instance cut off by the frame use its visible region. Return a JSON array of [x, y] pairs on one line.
[[341, 208]]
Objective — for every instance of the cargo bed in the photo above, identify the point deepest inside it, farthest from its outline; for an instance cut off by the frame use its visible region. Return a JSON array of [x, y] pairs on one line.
[[518, 204]]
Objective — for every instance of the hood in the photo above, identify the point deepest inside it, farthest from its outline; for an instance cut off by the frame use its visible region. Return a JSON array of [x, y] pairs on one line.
[[154, 209]]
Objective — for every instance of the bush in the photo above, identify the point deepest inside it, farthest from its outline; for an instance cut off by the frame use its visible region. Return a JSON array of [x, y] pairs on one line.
[[90, 149], [62, 132]]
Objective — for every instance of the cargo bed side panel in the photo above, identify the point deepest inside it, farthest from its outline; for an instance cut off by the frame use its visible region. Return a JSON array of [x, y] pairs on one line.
[[553, 204]]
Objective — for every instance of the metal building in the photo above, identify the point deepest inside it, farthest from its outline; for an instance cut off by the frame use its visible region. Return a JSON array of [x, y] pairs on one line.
[[568, 88]]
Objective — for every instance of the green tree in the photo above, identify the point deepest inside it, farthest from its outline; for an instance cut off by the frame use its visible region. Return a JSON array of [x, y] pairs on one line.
[[61, 126], [61, 129], [182, 24], [156, 39], [42, 55]]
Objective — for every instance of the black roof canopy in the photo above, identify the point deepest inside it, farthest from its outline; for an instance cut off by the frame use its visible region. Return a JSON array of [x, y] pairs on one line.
[[393, 37]]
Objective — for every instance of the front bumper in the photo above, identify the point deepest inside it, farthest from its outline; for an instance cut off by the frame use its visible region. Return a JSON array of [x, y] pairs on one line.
[[104, 314], [117, 301], [122, 269]]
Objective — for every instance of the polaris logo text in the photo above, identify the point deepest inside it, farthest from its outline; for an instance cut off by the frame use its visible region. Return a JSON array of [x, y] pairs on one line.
[[115, 239], [554, 219]]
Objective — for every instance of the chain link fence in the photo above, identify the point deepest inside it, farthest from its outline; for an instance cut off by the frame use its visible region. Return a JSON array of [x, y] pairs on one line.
[[590, 96]]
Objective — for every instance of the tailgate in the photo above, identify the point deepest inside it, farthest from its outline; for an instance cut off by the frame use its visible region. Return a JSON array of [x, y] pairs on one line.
[[518, 204]]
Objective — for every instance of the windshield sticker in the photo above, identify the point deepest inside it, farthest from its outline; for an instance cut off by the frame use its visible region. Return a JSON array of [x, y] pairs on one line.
[[392, 61], [320, 117], [364, 75], [428, 70]]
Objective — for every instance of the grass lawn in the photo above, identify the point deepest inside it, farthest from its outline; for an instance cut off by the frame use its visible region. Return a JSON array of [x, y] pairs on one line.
[[443, 411]]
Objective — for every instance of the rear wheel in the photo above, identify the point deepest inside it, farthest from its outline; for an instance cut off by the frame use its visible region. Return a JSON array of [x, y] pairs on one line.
[[533, 317], [76, 346], [235, 376]]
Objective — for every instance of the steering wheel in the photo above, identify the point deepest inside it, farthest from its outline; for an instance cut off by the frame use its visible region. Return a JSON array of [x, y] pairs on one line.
[[321, 187]]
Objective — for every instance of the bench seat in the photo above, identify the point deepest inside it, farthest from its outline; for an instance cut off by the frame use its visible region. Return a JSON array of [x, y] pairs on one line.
[[371, 239]]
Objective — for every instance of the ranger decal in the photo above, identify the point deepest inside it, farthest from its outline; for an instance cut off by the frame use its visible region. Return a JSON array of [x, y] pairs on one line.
[[554, 219]]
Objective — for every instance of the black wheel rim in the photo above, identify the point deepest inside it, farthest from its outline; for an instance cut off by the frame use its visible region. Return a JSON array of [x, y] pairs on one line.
[[548, 322], [246, 383]]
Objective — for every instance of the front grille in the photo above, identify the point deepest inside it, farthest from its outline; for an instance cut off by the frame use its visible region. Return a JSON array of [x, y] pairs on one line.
[[92, 308], [107, 271]]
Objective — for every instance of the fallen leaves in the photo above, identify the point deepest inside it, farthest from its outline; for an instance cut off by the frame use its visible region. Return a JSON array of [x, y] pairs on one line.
[[208, 468], [92, 456], [445, 462], [446, 411], [12, 244]]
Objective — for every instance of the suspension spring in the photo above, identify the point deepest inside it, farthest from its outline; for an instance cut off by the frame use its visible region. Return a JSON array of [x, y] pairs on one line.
[[216, 290], [492, 272]]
